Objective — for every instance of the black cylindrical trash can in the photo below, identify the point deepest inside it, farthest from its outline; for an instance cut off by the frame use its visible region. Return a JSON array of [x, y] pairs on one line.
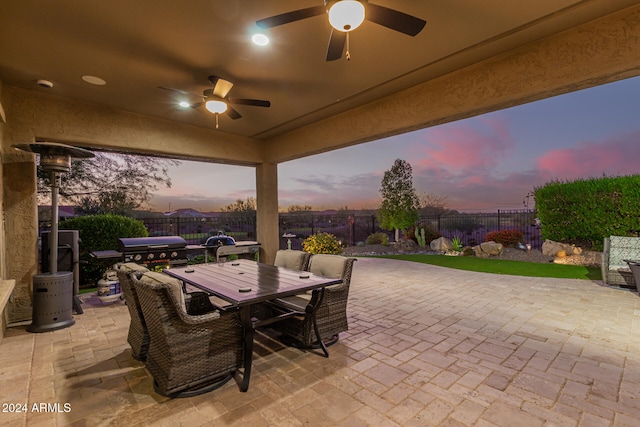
[[52, 301]]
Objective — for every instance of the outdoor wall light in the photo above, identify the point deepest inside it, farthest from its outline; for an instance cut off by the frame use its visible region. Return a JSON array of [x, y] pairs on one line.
[[346, 15]]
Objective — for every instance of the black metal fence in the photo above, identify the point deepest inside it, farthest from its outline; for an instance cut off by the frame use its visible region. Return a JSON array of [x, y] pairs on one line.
[[470, 228], [349, 228]]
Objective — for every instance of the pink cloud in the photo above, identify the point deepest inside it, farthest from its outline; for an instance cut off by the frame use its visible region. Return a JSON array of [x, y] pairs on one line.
[[618, 156], [464, 146]]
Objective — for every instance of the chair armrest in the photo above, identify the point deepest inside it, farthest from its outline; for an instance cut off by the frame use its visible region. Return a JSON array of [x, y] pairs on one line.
[[213, 318]]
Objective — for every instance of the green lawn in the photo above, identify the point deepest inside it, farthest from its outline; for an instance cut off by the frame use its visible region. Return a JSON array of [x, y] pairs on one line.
[[500, 266]]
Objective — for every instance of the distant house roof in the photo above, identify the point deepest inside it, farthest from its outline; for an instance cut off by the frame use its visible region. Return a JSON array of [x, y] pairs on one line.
[[188, 212], [44, 212]]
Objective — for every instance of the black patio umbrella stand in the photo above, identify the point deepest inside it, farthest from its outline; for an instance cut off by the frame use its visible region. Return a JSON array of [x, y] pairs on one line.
[[53, 292]]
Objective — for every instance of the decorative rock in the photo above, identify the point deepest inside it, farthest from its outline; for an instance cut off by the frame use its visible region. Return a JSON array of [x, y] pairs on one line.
[[561, 254], [551, 248], [585, 258], [487, 249], [468, 251], [441, 244], [406, 245]]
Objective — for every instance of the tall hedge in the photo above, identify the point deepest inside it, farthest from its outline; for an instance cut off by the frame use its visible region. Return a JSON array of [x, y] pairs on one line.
[[584, 212], [100, 233]]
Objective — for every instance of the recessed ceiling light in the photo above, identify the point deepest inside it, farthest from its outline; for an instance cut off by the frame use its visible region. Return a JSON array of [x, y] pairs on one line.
[[260, 39], [94, 80], [184, 104]]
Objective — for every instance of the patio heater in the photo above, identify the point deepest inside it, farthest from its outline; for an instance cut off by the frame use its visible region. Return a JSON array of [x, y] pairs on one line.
[[53, 292]]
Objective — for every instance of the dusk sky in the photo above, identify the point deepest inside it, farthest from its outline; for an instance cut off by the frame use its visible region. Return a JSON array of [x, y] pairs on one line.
[[483, 163]]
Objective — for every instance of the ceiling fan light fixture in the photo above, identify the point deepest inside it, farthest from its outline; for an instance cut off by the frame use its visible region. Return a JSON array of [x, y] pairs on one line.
[[260, 39], [216, 105], [346, 15]]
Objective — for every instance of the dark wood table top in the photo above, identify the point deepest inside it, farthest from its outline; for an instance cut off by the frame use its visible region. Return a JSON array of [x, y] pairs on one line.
[[263, 281]]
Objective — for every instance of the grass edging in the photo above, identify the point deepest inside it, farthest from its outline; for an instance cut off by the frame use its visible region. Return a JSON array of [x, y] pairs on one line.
[[504, 266]]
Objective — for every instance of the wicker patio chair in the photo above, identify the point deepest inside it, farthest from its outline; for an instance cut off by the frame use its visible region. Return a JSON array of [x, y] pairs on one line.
[[138, 337], [292, 259], [331, 314], [188, 355]]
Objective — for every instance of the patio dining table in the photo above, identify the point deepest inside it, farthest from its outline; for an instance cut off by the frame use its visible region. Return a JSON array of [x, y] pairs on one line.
[[245, 283]]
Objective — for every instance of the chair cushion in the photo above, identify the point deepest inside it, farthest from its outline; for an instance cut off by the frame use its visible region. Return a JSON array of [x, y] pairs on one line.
[[328, 265], [154, 277], [289, 259], [130, 267]]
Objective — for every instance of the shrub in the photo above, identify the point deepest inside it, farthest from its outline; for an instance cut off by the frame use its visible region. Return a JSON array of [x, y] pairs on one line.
[[100, 233], [457, 244], [378, 239], [585, 211], [322, 243], [508, 238]]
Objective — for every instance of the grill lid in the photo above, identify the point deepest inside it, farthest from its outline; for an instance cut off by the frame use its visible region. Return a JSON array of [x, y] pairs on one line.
[[128, 244], [220, 240]]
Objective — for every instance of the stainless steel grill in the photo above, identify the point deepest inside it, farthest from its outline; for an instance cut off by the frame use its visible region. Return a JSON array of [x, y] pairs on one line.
[[153, 251]]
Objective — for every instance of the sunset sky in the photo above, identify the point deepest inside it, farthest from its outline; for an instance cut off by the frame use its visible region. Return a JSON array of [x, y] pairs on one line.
[[483, 163]]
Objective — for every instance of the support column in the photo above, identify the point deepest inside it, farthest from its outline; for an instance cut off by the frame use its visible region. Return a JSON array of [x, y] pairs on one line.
[[268, 230]]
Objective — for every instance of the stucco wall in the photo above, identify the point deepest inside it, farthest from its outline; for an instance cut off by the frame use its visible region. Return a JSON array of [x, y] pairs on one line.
[[19, 208]]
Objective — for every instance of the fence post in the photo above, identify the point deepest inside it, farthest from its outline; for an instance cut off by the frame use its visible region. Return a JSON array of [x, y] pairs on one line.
[[373, 224], [499, 221]]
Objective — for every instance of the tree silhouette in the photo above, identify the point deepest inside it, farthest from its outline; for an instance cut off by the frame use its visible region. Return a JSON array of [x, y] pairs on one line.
[[109, 182]]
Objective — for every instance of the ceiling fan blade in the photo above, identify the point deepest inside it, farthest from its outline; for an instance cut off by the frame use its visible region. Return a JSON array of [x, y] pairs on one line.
[[196, 104], [394, 19], [293, 16], [253, 102], [336, 45], [221, 87], [232, 113]]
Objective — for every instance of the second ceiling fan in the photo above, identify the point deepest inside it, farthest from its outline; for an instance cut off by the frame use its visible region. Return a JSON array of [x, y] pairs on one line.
[[215, 99], [344, 17]]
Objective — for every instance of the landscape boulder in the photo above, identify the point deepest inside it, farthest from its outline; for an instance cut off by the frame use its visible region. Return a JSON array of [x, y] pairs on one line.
[[487, 249], [551, 248], [406, 245], [441, 244]]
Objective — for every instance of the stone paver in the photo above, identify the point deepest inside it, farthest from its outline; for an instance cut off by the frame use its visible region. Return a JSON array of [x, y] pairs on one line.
[[427, 346]]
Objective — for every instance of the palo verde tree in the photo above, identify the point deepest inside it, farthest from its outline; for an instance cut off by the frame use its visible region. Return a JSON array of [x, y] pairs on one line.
[[109, 183], [400, 203]]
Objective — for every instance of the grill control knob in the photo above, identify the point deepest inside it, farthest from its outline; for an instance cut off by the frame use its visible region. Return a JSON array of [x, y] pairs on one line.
[[137, 257], [150, 256], [174, 254], [163, 255]]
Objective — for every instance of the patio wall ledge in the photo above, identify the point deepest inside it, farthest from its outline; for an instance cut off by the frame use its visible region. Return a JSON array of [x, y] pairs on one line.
[[6, 289]]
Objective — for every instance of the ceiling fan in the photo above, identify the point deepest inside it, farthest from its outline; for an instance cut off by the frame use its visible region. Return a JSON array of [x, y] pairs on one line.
[[344, 17], [216, 101]]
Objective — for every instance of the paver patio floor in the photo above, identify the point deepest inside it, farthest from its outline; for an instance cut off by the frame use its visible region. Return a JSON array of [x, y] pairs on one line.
[[426, 346]]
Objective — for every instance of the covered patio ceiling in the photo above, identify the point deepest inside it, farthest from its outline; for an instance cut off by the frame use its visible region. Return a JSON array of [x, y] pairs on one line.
[[137, 47]]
